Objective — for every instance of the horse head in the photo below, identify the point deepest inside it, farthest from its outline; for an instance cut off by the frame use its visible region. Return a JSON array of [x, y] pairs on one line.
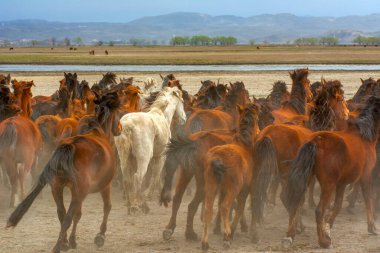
[[106, 113]]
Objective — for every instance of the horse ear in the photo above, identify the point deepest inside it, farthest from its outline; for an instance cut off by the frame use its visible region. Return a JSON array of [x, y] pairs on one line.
[[8, 78], [162, 78], [64, 73], [361, 79], [177, 93], [75, 75]]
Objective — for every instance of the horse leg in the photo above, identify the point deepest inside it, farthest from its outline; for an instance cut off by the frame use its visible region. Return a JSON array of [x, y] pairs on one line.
[[310, 199], [352, 197], [22, 179], [183, 180], [142, 168], [218, 219], [366, 185], [273, 190], [106, 196], [11, 168], [66, 223], [57, 192], [225, 209], [241, 200], [253, 227], [210, 194], [76, 217], [337, 203], [294, 220], [192, 209], [323, 229]]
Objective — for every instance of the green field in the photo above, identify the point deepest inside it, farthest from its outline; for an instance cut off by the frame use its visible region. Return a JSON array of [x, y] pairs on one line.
[[120, 55]]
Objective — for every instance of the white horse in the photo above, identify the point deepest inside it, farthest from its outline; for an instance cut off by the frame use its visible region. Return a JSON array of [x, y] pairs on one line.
[[142, 145]]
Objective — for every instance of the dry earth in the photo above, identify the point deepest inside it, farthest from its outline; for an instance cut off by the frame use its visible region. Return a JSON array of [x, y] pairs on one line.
[[38, 230]]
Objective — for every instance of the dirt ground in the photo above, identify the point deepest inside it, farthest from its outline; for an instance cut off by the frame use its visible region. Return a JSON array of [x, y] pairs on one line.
[[38, 231]]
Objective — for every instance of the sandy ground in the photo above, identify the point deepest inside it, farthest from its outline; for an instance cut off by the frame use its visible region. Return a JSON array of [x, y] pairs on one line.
[[39, 229]]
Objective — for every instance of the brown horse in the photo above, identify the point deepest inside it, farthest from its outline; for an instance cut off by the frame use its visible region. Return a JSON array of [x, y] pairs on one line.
[[85, 164], [295, 109], [223, 117], [188, 154], [229, 171], [23, 95], [8, 105], [5, 80], [278, 144], [86, 96], [130, 99], [336, 159], [279, 95], [20, 143], [60, 107], [71, 83]]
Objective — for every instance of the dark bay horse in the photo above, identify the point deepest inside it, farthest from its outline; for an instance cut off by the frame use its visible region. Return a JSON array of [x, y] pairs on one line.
[[228, 170], [84, 163], [336, 159]]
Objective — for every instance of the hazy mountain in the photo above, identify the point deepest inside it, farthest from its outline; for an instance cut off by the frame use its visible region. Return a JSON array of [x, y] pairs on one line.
[[280, 28]]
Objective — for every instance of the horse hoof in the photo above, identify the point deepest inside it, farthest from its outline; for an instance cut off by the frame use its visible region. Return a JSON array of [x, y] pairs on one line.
[[372, 229], [167, 234], [325, 243], [286, 243], [227, 244], [64, 247], [72, 244], [99, 240], [191, 236], [205, 246], [254, 238]]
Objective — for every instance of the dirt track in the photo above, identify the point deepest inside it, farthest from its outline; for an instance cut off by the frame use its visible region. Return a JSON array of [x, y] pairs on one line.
[[38, 230]]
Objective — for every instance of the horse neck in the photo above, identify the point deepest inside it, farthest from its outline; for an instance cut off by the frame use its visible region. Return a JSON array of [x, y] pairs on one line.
[[169, 112], [26, 103], [247, 134], [298, 98]]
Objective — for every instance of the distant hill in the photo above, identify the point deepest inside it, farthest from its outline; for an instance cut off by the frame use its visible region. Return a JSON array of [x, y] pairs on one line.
[[280, 28]]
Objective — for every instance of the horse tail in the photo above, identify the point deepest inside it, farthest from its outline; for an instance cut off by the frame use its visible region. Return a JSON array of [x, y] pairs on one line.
[[23, 207], [195, 125], [300, 173], [180, 152], [265, 168], [8, 137], [62, 162], [218, 169]]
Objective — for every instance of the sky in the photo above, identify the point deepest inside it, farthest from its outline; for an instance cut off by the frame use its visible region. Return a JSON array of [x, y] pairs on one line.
[[127, 10]]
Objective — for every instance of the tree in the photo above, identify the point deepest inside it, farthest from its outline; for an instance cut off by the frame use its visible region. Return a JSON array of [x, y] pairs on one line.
[[34, 43], [111, 43], [306, 41], [100, 43], [67, 42], [78, 41], [330, 41], [179, 41]]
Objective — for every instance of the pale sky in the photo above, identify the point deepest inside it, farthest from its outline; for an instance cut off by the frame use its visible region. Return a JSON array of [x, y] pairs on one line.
[[127, 10]]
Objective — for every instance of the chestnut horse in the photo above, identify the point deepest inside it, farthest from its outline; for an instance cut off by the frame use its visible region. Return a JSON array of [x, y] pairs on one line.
[[23, 95], [336, 159], [229, 170], [20, 143], [295, 109], [60, 107], [188, 153], [84, 163]]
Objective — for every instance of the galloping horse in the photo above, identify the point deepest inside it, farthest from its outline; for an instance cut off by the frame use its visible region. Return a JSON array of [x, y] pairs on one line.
[[142, 144], [84, 163], [336, 159], [229, 170]]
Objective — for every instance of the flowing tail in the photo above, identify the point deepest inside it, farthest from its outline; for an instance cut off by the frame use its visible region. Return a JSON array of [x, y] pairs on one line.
[[301, 171], [180, 152], [8, 136], [265, 168], [62, 162]]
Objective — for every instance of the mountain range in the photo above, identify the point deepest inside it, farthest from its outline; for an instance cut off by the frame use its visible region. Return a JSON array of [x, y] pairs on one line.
[[279, 28]]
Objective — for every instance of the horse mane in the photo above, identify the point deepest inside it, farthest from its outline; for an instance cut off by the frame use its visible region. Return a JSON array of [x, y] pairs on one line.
[[5, 80], [210, 99], [368, 120], [248, 121], [81, 88], [279, 88], [369, 84], [232, 97], [106, 104], [315, 88], [322, 117], [108, 78], [166, 79], [298, 93]]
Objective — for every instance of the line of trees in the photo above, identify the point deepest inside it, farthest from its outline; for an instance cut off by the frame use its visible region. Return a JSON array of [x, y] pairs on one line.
[[330, 41], [362, 40], [203, 40]]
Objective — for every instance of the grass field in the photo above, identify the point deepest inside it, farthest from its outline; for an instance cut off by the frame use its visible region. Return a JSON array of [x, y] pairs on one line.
[[119, 55]]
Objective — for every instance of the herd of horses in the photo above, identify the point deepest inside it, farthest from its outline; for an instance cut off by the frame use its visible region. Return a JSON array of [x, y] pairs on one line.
[[234, 146]]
